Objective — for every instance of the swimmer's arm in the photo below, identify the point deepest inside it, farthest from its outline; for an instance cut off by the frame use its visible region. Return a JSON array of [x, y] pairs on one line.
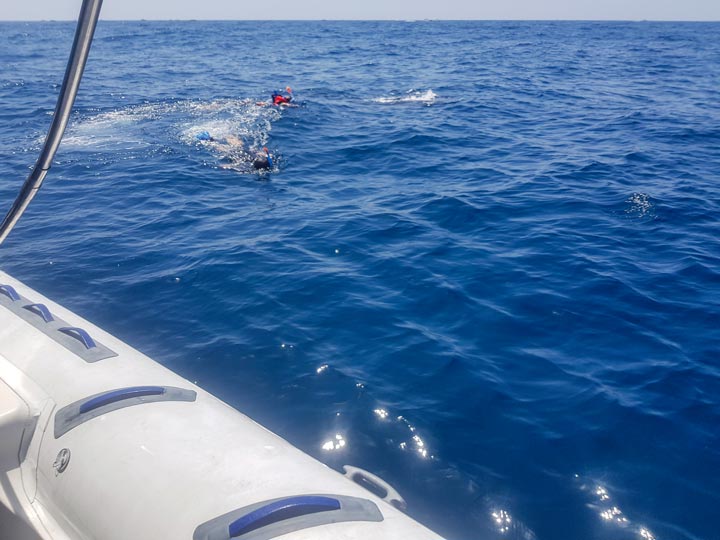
[[232, 140]]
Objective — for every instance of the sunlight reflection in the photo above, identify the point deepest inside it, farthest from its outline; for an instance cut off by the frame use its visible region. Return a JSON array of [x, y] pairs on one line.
[[415, 443], [611, 512], [419, 444], [646, 535], [502, 520], [334, 444]]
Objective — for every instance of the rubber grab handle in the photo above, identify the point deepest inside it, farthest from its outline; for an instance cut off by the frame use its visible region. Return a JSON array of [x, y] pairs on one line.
[[119, 395], [81, 335], [42, 310], [375, 485], [81, 411], [10, 292], [280, 511]]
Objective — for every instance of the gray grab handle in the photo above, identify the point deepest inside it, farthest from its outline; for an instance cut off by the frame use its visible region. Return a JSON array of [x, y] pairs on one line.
[[270, 519], [375, 485], [91, 407]]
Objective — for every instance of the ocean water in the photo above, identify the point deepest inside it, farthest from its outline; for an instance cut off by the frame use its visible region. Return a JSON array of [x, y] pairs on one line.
[[485, 265]]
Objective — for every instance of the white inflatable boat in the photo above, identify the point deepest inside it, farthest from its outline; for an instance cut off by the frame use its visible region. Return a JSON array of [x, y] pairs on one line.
[[99, 442]]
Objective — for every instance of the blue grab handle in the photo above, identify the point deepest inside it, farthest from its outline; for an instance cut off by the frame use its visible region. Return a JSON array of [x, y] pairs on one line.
[[10, 292], [79, 334], [42, 310], [119, 395], [280, 511]]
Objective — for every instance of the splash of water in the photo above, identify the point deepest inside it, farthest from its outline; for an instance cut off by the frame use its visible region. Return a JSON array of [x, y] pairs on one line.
[[427, 97]]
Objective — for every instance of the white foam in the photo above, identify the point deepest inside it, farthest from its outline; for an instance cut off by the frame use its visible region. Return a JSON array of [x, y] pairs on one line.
[[639, 205], [427, 97], [115, 130], [223, 118], [137, 127]]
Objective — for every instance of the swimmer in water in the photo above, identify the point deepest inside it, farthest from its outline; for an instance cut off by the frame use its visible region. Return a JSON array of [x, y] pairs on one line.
[[278, 99], [235, 154]]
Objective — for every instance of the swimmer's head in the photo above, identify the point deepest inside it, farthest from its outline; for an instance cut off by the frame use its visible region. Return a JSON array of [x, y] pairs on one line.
[[288, 90], [263, 161]]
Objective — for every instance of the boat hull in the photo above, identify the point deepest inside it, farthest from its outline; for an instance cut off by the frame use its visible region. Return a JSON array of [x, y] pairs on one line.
[[122, 447]]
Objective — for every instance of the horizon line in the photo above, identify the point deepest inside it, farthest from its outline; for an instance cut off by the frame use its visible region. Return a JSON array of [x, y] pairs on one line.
[[374, 20]]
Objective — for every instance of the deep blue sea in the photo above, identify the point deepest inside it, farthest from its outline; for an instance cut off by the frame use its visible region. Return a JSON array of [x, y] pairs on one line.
[[486, 265]]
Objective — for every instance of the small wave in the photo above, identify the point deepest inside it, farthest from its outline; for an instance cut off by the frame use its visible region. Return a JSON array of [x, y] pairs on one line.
[[426, 97], [12, 84]]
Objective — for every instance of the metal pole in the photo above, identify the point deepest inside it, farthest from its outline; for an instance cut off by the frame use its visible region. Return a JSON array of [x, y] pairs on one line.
[[87, 20]]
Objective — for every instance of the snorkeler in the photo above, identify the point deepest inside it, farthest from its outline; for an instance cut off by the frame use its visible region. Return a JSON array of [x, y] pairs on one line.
[[278, 99], [263, 160], [234, 153]]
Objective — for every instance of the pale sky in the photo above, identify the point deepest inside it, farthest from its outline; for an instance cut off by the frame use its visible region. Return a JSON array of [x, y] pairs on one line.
[[687, 10]]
